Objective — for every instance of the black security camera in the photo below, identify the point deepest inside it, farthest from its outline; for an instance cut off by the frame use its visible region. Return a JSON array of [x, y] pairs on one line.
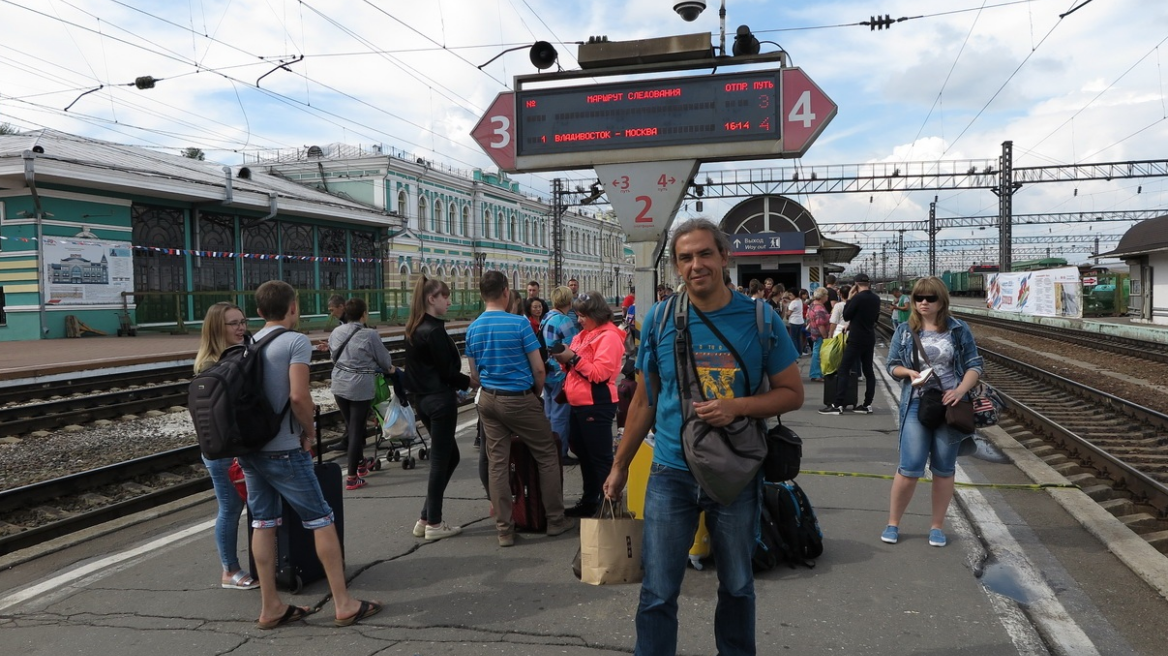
[[689, 10]]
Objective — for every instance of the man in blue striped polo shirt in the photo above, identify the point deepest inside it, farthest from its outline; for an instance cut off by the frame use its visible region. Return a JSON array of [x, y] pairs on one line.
[[504, 359]]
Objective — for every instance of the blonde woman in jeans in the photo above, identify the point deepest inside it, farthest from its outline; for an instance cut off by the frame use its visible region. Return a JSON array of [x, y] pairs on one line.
[[224, 327]]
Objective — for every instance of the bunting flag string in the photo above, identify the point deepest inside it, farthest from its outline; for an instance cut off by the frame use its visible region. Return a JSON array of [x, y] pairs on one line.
[[197, 253]]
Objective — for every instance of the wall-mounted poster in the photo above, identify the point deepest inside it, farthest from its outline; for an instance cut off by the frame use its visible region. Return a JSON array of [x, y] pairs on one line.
[[1046, 293], [84, 272]]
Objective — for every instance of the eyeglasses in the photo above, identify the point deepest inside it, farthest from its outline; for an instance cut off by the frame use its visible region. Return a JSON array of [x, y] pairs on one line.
[[929, 298], [236, 324]]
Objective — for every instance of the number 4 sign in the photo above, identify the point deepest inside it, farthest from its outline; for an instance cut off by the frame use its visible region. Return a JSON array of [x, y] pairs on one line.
[[806, 111], [646, 195]]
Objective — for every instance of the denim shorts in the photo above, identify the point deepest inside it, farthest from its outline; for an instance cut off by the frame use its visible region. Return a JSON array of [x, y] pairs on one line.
[[938, 446], [276, 476]]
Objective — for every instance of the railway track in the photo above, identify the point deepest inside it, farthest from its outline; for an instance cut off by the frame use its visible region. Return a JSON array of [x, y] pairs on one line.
[[43, 511], [1137, 348], [1114, 450], [24, 409]]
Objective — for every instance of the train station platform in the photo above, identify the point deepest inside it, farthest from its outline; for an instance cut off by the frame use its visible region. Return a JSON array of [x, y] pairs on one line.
[[1022, 574], [49, 359]]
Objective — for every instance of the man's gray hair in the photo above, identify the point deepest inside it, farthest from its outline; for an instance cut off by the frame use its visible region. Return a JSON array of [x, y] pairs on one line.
[[693, 225]]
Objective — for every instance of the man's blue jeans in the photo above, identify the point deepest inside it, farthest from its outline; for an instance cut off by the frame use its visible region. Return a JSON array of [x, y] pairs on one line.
[[673, 502]]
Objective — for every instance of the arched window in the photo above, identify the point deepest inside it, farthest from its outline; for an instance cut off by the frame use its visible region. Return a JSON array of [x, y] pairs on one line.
[[401, 203], [514, 229], [450, 216], [439, 218], [486, 224], [464, 229], [500, 227], [424, 215]]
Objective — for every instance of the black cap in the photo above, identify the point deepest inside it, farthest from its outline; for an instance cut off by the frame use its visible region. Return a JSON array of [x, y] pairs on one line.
[[863, 277]]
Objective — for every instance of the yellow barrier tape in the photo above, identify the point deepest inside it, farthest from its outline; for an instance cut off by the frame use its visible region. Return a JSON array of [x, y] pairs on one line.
[[996, 486]]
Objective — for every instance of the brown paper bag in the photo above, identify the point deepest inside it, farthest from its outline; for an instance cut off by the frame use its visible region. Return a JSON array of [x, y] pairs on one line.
[[610, 547]]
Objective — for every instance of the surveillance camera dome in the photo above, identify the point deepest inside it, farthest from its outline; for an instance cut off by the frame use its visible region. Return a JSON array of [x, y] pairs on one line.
[[689, 10]]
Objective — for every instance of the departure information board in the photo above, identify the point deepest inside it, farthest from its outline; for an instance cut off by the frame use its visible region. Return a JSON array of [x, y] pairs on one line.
[[687, 111]]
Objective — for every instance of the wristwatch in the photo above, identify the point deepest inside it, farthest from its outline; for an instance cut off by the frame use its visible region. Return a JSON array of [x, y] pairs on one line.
[[574, 361]]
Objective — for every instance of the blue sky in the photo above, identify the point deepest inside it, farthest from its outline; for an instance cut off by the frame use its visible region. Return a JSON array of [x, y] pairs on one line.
[[952, 82]]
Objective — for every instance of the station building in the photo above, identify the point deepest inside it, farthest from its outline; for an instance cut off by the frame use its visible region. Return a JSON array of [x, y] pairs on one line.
[[83, 222], [1144, 247], [456, 224], [113, 236], [776, 237]]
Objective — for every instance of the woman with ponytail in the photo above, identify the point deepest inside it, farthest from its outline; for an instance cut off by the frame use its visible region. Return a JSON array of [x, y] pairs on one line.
[[433, 376]]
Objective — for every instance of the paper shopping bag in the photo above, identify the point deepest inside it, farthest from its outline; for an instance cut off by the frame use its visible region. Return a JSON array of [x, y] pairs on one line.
[[610, 547]]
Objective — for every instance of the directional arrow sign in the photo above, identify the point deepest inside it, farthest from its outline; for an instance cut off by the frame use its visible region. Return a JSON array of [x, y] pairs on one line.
[[806, 111], [646, 195], [495, 131]]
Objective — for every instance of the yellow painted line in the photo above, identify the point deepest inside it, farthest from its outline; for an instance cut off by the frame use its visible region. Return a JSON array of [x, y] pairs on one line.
[[996, 486]]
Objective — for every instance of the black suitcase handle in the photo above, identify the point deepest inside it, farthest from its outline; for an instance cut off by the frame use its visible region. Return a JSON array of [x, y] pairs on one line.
[[316, 425]]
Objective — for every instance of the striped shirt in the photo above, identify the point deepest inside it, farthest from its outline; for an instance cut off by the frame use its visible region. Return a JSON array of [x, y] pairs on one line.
[[499, 343]]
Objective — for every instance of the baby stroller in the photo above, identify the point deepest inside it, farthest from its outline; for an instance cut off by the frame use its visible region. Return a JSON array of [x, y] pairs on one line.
[[398, 442]]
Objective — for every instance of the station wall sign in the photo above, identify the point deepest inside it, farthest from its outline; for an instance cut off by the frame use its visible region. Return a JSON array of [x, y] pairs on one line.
[[768, 243]]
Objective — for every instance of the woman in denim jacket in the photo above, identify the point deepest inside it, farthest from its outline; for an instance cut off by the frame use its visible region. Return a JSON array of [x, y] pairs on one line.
[[957, 366]]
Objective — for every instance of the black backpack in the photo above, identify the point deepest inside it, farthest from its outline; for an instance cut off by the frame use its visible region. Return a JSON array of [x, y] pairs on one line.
[[789, 531], [228, 406]]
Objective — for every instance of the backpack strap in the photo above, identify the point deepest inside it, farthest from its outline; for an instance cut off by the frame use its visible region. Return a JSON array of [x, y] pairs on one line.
[[256, 348]]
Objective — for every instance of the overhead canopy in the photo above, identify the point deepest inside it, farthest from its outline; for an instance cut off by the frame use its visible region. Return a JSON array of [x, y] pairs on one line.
[[1147, 236], [838, 251]]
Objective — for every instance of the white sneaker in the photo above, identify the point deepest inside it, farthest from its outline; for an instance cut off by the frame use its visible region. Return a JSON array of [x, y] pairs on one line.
[[420, 529], [442, 530]]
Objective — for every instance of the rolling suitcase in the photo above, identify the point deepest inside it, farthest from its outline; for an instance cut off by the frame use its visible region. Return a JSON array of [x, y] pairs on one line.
[[851, 396], [527, 511], [296, 562]]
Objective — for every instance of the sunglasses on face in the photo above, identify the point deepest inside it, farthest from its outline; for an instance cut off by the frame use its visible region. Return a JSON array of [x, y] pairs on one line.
[[236, 324], [928, 298]]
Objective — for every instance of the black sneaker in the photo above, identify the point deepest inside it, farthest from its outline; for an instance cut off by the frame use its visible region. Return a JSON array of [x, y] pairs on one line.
[[831, 410], [581, 510], [337, 446], [862, 410]]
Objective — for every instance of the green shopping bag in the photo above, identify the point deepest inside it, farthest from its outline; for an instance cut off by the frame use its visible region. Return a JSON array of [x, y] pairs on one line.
[[831, 353], [382, 390]]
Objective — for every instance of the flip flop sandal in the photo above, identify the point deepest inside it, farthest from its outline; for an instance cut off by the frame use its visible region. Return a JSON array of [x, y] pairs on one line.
[[293, 614], [367, 609], [242, 580]]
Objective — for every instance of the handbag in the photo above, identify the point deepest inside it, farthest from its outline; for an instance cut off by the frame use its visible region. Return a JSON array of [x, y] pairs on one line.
[[986, 405], [784, 454], [931, 411], [725, 459], [831, 353], [959, 416], [610, 546], [235, 475], [382, 390]]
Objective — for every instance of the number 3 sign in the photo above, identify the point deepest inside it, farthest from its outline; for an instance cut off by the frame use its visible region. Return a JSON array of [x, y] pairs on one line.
[[495, 131]]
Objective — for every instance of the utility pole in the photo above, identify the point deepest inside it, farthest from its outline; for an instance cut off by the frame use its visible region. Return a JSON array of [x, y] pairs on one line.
[[558, 209], [883, 260], [932, 237], [1005, 192], [900, 258]]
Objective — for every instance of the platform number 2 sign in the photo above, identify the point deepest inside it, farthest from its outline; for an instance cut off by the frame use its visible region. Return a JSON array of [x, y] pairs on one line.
[[802, 110]]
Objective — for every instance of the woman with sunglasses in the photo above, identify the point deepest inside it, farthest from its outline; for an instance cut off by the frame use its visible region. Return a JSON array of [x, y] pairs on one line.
[[224, 327], [956, 367]]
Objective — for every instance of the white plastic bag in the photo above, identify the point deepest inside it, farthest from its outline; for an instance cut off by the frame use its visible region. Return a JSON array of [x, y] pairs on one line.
[[399, 421]]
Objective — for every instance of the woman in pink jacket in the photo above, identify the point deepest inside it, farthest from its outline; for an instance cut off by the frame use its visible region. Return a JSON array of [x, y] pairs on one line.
[[593, 363]]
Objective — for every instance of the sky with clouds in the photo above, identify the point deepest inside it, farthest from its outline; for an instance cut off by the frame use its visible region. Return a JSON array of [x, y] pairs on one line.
[[952, 82]]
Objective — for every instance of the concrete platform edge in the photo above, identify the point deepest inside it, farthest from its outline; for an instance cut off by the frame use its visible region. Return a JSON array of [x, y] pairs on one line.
[[22, 556], [1139, 556]]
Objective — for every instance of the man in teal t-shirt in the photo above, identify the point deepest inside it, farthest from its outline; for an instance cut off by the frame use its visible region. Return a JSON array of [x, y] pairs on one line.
[[673, 499], [900, 307]]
